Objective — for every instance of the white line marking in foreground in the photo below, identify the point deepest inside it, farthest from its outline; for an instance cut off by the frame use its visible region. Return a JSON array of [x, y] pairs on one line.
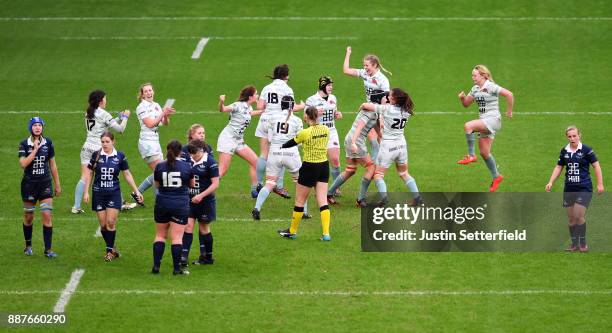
[[306, 18], [213, 37], [70, 289], [424, 113], [349, 293], [199, 48]]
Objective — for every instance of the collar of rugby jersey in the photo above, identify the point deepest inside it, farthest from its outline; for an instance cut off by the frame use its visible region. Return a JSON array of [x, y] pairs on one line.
[[113, 153], [42, 141], [569, 147], [202, 160]]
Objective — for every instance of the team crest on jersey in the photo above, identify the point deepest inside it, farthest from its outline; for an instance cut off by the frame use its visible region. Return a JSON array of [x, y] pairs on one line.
[[374, 81], [115, 160], [566, 156], [579, 154], [332, 102]]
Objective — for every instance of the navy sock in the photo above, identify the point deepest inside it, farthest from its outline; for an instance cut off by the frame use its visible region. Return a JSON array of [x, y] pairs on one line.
[[581, 231], [27, 234], [48, 237], [573, 235], [208, 244], [104, 233], [187, 240], [176, 256], [158, 253], [202, 245], [110, 240]]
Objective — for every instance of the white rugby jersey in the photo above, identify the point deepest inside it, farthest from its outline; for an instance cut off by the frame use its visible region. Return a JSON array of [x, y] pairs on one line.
[[273, 93], [329, 107], [487, 99], [239, 119], [282, 132], [394, 121], [373, 82], [148, 110], [100, 123]]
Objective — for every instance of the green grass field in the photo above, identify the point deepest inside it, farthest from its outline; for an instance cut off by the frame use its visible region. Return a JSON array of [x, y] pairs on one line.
[[554, 56]]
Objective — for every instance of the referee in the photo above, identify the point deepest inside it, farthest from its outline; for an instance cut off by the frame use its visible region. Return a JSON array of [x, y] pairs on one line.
[[313, 173]]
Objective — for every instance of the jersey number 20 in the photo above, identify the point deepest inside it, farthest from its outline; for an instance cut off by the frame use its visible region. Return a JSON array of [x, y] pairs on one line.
[[398, 123], [171, 179]]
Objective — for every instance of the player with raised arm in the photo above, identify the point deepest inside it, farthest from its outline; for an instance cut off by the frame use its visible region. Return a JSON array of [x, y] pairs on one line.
[[231, 139], [327, 106], [105, 166], [282, 127], [393, 148], [37, 159], [151, 116], [173, 178], [269, 101], [578, 190], [97, 121], [486, 94], [376, 86]]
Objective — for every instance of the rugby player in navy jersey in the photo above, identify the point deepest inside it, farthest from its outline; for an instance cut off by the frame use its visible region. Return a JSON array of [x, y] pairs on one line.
[[173, 178], [37, 158], [576, 158], [203, 205], [106, 164]]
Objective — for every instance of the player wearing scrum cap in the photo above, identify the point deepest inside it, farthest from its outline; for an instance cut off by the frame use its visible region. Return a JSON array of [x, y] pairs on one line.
[[327, 106], [37, 159]]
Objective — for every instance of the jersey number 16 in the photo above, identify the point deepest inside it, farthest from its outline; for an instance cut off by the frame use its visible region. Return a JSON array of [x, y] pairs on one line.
[[171, 179]]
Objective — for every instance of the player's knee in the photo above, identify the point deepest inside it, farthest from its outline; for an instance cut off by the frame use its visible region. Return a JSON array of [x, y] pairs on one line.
[[350, 170], [270, 183], [379, 174], [485, 155], [403, 174], [46, 207], [467, 128]]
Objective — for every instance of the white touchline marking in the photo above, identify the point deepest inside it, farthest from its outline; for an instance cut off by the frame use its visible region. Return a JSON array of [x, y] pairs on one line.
[[199, 48], [310, 18], [421, 113], [344, 293], [71, 287], [319, 38]]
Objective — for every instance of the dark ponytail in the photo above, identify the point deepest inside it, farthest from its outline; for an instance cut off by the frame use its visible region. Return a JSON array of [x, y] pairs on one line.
[[281, 72], [403, 100], [173, 151], [95, 98]]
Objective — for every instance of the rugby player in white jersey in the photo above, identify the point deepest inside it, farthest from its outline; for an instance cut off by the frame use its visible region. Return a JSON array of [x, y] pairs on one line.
[[269, 101], [282, 127], [97, 121], [151, 117], [231, 139], [327, 106], [393, 147], [486, 94], [374, 82]]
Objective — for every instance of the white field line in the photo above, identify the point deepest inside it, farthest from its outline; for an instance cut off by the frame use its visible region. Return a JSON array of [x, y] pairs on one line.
[[421, 113], [70, 289], [199, 48], [341, 293], [313, 18], [319, 38]]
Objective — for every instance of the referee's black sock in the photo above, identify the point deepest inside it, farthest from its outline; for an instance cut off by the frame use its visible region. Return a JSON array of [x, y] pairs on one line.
[[581, 231], [158, 253], [187, 240], [27, 235], [176, 256], [48, 237], [573, 235]]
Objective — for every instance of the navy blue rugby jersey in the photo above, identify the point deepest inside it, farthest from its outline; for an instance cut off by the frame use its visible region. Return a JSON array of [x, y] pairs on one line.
[[577, 166], [173, 182], [106, 168], [204, 170], [38, 170]]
